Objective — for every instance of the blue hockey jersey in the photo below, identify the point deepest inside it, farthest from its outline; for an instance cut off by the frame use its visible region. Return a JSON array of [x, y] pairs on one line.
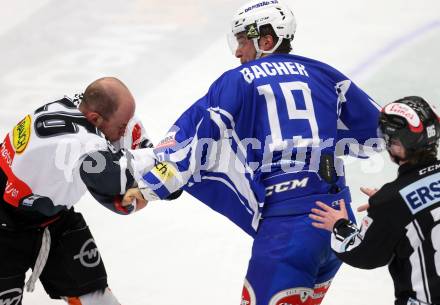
[[257, 137]]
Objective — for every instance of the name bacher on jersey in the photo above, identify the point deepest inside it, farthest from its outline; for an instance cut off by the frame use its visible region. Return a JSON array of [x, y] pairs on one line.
[[265, 69]]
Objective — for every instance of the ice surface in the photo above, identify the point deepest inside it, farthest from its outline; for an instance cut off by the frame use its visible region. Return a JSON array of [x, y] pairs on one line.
[[168, 53]]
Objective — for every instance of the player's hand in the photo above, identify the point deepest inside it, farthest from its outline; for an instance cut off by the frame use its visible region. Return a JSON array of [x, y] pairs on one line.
[[363, 207], [134, 195], [369, 192], [325, 217]]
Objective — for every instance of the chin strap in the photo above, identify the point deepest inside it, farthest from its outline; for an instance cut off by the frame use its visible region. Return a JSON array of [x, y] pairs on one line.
[[261, 52]]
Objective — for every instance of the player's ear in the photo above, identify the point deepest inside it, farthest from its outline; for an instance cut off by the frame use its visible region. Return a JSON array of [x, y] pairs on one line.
[[95, 118], [266, 43]]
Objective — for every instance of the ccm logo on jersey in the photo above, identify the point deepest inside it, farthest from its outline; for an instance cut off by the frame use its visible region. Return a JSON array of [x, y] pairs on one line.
[[22, 134], [429, 169], [422, 193], [286, 186]]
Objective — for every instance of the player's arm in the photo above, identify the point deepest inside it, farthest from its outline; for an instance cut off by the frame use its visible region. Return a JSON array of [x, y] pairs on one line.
[[368, 246], [177, 152], [108, 174], [183, 152], [358, 120]]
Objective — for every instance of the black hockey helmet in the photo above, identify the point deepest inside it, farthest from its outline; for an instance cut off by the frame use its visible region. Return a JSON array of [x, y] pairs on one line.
[[412, 121]]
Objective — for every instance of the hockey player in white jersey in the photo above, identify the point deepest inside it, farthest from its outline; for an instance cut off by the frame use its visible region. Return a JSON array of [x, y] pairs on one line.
[[47, 163]]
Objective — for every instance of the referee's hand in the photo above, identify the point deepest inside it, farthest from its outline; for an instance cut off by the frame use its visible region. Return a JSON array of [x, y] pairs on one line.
[[369, 192], [325, 217]]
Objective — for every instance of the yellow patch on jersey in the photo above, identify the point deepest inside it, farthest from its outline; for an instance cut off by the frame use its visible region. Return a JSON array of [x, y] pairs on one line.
[[164, 171], [22, 134]]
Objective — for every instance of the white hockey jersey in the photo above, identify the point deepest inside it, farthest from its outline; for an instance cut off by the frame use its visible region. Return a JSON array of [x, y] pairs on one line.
[[43, 159]]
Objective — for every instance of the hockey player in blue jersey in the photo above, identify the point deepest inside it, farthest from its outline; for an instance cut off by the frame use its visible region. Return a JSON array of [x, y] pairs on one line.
[[261, 147]]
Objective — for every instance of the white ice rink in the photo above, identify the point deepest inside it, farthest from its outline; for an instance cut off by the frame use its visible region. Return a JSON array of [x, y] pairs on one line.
[[168, 52]]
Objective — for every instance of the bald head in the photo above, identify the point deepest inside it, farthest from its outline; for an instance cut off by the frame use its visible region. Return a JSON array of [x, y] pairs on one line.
[[104, 96], [109, 105]]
